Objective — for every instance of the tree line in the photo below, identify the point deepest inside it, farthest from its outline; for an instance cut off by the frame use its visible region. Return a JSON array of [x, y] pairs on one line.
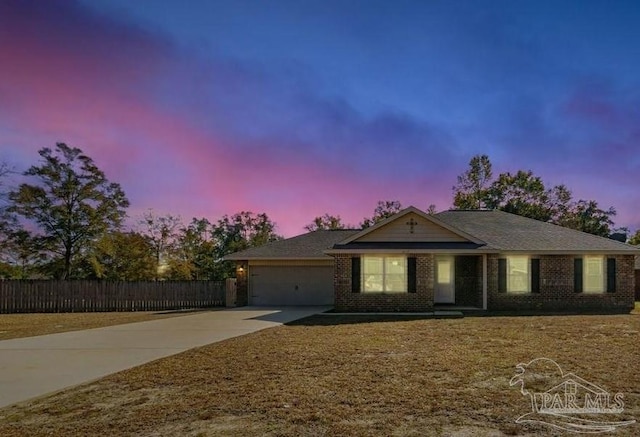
[[66, 221], [521, 193], [526, 194]]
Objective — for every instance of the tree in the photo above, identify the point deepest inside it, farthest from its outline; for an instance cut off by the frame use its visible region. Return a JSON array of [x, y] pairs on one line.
[[560, 200], [635, 239], [525, 194], [7, 221], [161, 232], [587, 216], [121, 256], [522, 194], [473, 184], [325, 222], [194, 257], [21, 255], [71, 203], [238, 232], [5, 268], [384, 209]]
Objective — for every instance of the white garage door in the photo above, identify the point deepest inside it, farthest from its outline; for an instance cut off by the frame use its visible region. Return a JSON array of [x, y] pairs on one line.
[[290, 285]]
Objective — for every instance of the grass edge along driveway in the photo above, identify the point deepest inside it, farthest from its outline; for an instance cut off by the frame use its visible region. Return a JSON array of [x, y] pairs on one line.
[[32, 324]]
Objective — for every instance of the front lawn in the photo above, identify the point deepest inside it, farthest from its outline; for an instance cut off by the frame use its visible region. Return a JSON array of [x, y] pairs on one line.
[[327, 376]]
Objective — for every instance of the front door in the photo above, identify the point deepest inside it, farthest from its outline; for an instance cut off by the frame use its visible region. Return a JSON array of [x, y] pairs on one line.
[[444, 291]]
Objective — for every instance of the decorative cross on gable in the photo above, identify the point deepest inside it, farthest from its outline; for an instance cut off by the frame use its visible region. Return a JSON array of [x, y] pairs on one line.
[[412, 224]]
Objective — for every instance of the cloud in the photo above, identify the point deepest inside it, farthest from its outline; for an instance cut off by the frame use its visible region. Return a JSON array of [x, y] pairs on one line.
[[198, 133], [202, 137], [585, 138]]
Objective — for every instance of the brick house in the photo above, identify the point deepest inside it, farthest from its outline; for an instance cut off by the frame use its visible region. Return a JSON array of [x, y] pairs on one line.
[[415, 262]]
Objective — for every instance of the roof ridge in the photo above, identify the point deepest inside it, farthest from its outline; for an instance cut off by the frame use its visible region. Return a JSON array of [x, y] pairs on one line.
[[468, 210]]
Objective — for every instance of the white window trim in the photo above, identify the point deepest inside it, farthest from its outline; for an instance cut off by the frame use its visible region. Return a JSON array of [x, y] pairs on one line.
[[527, 290], [602, 286], [363, 278]]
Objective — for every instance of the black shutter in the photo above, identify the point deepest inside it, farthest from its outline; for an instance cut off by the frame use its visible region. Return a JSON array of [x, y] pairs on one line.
[[577, 275], [535, 275], [611, 275], [355, 275], [502, 275], [411, 274]]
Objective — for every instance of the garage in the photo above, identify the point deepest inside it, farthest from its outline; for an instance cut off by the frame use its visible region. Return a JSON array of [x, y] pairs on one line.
[[291, 284], [290, 272]]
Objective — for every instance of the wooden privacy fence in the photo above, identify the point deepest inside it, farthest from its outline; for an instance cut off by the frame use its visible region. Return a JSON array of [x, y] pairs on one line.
[[45, 296]]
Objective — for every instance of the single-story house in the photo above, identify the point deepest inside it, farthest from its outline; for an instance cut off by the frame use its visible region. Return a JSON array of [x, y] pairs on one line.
[[416, 262]]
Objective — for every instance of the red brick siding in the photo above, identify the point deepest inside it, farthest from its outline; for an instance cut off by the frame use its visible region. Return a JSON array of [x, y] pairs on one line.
[[347, 301], [242, 284], [556, 288]]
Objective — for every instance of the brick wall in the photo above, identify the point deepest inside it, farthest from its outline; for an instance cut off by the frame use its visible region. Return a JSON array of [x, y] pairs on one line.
[[348, 301], [242, 284], [557, 289]]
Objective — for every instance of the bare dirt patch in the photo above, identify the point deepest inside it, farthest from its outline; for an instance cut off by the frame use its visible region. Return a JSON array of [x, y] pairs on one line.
[[29, 325], [319, 377]]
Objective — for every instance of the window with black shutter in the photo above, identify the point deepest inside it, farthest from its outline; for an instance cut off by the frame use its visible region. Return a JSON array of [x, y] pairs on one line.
[[355, 275], [611, 275], [502, 275], [411, 275], [577, 275], [535, 275]]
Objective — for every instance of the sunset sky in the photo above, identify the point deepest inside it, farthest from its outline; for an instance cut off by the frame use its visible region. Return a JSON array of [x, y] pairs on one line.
[[298, 108]]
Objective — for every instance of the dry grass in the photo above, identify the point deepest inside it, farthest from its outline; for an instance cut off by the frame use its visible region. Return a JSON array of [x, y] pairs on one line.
[[330, 376], [28, 325]]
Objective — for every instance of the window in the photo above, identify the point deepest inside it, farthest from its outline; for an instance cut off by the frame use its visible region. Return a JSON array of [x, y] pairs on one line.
[[593, 274], [384, 274], [518, 274], [443, 271]]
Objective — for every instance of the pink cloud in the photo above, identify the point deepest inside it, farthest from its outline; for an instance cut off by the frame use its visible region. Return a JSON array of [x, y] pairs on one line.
[[204, 138]]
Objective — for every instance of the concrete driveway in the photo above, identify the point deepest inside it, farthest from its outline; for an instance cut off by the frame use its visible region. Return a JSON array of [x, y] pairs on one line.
[[35, 366]]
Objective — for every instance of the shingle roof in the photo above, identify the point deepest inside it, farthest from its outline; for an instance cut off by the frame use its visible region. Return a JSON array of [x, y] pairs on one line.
[[501, 231], [305, 246], [510, 232]]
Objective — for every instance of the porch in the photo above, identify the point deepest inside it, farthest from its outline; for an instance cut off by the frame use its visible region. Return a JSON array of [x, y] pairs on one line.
[[460, 282]]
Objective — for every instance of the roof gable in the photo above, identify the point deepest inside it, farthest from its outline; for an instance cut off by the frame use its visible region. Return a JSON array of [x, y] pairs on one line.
[[411, 225]]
